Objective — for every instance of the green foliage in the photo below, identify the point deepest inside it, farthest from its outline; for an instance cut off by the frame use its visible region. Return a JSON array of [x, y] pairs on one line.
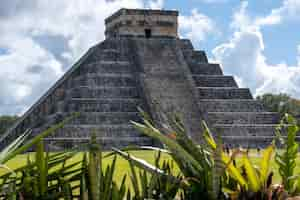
[[205, 170], [249, 181], [196, 163], [98, 184], [160, 184], [281, 103], [6, 122], [208, 172], [286, 160]]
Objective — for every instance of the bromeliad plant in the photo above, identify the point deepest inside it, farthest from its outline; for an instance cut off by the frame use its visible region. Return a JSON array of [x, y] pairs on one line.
[[195, 162], [207, 171], [247, 181], [56, 176]]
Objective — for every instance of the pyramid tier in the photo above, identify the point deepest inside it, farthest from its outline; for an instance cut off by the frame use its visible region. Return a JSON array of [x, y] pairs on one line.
[[205, 69], [245, 129], [224, 93], [196, 56], [214, 81], [245, 141], [243, 117], [103, 104], [106, 118], [103, 92], [106, 143], [100, 67], [106, 79], [231, 105]]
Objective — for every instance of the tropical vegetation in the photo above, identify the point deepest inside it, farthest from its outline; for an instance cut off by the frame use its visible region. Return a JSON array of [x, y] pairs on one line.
[[196, 171], [281, 103], [7, 121]]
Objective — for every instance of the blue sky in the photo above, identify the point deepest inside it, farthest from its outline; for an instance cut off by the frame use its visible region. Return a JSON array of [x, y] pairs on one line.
[[257, 41], [280, 41]]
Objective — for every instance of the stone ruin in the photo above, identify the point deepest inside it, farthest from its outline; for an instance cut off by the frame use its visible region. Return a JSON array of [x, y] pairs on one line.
[[143, 62]]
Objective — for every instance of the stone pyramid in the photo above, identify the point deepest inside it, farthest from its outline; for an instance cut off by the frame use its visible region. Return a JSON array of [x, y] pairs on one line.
[[142, 62]]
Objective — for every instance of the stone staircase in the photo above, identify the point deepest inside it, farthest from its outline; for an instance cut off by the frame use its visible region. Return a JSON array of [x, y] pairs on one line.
[[230, 111]]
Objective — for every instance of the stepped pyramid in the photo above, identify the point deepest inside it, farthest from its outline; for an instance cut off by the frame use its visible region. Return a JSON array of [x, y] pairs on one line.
[[142, 62]]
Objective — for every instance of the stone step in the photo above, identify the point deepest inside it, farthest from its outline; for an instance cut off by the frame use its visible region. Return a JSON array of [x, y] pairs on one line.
[[111, 55], [245, 129], [113, 43], [195, 56], [103, 104], [243, 117], [205, 68], [108, 50], [103, 139], [103, 92], [230, 105], [106, 67], [101, 130], [105, 79], [186, 45], [108, 44], [106, 143], [106, 118], [224, 93], [214, 81], [199, 56], [251, 142]]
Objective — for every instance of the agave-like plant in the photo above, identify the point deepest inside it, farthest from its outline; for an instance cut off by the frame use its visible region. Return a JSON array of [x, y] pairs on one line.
[[195, 162], [47, 176], [15, 182], [96, 183], [160, 184], [57, 176], [208, 172]]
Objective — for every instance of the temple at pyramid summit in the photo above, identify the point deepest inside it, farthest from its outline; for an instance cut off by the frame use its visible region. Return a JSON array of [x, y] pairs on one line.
[[144, 63]]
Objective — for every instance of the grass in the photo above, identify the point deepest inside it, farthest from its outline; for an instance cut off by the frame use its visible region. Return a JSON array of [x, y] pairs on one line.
[[122, 166]]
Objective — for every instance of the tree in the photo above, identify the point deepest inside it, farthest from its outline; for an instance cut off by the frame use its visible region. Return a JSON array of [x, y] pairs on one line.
[[6, 121], [281, 103]]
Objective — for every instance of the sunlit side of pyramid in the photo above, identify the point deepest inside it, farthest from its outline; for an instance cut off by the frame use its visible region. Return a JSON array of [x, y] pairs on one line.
[[142, 62]]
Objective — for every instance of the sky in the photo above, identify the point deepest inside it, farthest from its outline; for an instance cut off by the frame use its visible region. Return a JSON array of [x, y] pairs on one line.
[[257, 41]]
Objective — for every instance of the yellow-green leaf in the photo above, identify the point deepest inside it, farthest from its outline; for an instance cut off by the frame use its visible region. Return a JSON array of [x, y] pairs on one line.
[[233, 171], [265, 163], [253, 180], [208, 136]]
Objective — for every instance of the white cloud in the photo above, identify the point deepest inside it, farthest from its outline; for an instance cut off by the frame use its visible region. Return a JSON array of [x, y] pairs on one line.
[[156, 4], [298, 54], [289, 10], [24, 74], [240, 19], [42, 39], [196, 26], [214, 1], [240, 56], [243, 56]]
